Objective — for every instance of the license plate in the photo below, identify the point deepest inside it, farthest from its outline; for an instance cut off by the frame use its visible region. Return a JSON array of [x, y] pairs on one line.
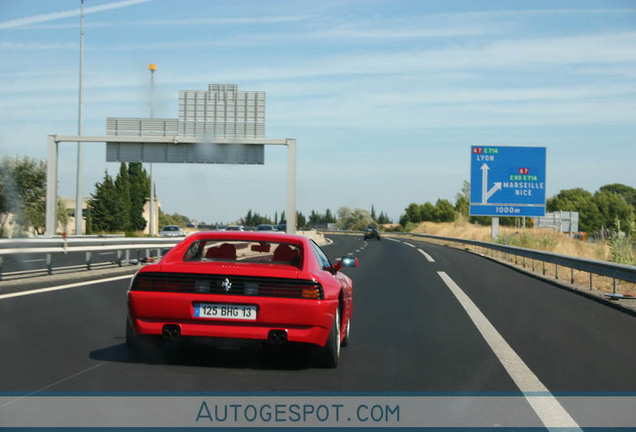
[[225, 311]]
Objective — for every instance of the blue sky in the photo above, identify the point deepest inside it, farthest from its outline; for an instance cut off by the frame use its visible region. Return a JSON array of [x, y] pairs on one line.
[[385, 98]]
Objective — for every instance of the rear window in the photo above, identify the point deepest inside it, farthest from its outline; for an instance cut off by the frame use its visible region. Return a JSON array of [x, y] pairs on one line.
[[170, 228], [245, 251]]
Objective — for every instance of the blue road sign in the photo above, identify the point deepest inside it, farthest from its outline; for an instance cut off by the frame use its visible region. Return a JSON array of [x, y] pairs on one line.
[[507, 181]]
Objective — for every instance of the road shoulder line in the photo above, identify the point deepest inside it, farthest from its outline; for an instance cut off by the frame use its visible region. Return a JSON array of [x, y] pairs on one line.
[[63, 287], [547, 407]]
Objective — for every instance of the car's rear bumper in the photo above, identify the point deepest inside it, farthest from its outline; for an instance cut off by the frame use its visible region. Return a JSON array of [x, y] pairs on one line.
[[304, 320]]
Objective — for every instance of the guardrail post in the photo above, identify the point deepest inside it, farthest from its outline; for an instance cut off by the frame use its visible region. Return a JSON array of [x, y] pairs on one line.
[[88, 260], [543, 268], [556, 271], [119, 258], [591, 281], [614, 290], [1, 262], [572, 277], [524, 262], [127, 256], [49, 263]]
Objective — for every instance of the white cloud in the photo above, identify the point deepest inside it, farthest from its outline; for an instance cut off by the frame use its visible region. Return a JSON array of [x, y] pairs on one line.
[[35, 46], [20, 22]]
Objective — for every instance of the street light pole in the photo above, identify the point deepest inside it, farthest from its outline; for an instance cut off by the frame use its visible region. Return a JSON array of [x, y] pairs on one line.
[[80, 119], [152, 68]]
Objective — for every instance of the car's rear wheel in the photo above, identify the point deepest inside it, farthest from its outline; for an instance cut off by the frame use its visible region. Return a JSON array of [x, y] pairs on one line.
[[331, 351]]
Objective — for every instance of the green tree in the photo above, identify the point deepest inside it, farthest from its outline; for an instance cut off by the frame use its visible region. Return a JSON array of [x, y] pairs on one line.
[[253, 219], [302, 220], [373, 213], [627, 192], [23, 192], [355, 220], [173, 219], [445, 211], [123, 205], [579, 200], [329, 217], [101, 205], [383, 219], [413, 214], [139, 193], [428, 212], [9, 200], [249, 218], [462, 200], [612, 207]]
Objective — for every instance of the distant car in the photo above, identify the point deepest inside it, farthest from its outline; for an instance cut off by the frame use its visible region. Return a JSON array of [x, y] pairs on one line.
[[172, 231], [234, 228], [281, 227], [267, 287], [265, 227], [371, 232]]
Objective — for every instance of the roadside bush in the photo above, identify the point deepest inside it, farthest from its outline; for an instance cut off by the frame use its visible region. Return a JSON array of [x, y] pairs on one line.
[[620, 243]]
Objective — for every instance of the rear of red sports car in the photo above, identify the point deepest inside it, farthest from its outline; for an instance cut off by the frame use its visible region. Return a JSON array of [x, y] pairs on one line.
[[257, 286]]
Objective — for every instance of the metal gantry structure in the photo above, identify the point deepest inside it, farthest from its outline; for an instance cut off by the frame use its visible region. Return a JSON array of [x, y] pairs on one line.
[[55, 140]]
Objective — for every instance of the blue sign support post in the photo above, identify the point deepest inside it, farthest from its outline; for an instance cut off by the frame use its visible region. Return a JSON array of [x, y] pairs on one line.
[[507, 181]]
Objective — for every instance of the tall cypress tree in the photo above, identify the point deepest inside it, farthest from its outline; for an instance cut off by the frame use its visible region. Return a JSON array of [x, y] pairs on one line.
[[102, 205], [123, 205], [139, 192]]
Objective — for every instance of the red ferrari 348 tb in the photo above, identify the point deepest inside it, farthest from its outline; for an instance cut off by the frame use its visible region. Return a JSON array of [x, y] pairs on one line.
[[268, 287]]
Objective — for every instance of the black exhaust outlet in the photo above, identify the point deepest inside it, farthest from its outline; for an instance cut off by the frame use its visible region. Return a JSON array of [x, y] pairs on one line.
[[171, 331], [277, 337]]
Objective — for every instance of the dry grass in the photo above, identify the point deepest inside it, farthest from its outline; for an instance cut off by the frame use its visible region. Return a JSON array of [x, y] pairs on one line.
[[545, 240], [540, 239]]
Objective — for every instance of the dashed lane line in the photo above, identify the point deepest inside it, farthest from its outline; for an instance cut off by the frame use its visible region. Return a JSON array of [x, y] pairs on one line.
[[545, 405], [428, 257], [409, 244], [63, 287]]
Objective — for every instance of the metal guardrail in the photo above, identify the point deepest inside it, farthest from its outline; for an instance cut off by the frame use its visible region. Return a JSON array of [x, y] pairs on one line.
[[603, 268], [52, 248]]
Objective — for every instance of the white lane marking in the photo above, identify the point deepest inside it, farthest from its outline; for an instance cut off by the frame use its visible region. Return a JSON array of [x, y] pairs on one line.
[[357, 250], [392, 239], [62, 287], [546, 406], [54, 384], [409, 244], [428, 257]]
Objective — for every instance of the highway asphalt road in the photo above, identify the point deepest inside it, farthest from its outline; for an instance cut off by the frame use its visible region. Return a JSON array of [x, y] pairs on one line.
[[412, 331]]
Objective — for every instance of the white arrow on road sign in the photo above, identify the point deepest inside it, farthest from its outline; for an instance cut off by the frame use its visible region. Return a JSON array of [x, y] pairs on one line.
[[485, 193]]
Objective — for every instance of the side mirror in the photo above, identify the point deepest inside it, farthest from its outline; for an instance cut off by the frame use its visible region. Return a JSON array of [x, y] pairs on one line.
[[345, 261]]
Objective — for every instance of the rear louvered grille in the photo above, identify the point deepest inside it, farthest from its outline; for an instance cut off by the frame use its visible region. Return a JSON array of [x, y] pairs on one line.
[[218, 284]]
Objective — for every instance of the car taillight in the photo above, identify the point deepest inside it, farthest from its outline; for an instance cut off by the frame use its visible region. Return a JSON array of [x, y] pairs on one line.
[[144, 284], [310, 292], [150, 283]]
